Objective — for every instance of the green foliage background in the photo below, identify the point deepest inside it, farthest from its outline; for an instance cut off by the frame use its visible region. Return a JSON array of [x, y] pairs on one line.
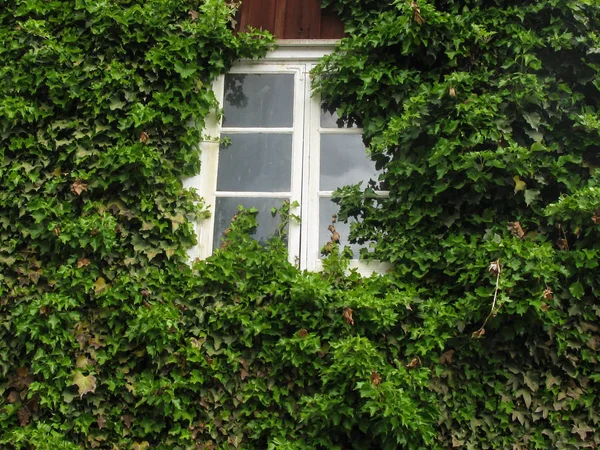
[[484, 116]]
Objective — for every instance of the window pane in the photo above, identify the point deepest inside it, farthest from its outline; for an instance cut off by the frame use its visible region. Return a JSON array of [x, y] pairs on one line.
[[258, 100], [327, 208], [226, 207], [332, 120], [256, 162], [344, 161]]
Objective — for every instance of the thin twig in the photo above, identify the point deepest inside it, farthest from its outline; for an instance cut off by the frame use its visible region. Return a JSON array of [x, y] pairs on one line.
[[494, 267]]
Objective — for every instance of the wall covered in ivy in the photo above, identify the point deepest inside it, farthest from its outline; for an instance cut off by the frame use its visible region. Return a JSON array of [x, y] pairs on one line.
[[484, 117]]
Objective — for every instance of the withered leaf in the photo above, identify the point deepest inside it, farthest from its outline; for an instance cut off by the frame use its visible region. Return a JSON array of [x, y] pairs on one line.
[[85, 384], [127, 420], [596, 218], [495, 267], [415, 362], [193, 15], [82, 362], [478, 334], [562, 244], [243, 374], [452, 92], [23, 415], [144, 137], [302, 333], [82, 262], [417, 13], [447, 357], [141, 445], [347, 315], [548, 294], [101, 421], [23, 378], [516, 229], [78, 187], [13, 397], [375, 378]]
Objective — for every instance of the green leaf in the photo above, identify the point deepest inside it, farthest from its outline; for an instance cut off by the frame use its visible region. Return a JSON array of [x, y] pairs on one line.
[[576, 290], [531, 195], [85, 384], [185, 70], [519, 184]]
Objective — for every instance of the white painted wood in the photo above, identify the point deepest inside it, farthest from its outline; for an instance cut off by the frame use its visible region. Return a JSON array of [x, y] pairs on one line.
[[297, 57]]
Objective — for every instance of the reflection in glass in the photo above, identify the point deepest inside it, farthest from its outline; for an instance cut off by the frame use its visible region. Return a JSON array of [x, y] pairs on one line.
[[344, 161], [330, 119], [327, 208], [255, 162], [258, 100], [226, 207]]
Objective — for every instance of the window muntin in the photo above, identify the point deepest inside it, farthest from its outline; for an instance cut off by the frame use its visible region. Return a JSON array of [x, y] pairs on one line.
[[236, 174]]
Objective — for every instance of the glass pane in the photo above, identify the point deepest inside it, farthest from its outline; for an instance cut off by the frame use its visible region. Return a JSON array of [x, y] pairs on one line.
[[327, 208], [258, 100], [332, 120], [226, 207], [256, 162], [344, 161]]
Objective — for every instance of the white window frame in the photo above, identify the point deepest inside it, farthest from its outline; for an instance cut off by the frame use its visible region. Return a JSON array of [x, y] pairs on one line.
[[296, 57]]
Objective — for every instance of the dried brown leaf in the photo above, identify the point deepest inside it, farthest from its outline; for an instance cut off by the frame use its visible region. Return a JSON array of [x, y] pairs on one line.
[[562, 244], [193, 15], [548, 294], [516, 229], [13, 397], [144, 137], [478, 334], [375, 378], [495, 267], [23, 415], [82, 262], [415, 362], [302, 333], [452, 92], [78, 187], [417, 13], [347, 315], [127, 420], [447, 357]]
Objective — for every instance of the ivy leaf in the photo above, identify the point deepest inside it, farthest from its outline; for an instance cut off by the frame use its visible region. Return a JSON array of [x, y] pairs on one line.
[[100, 285], [141, 445], [531, 195], [576, 290], [533, 119], [184, 70], [519, 184], [85, 384]]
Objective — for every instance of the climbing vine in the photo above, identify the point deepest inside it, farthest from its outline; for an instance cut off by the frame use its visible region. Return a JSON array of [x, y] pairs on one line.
[[483, 117]]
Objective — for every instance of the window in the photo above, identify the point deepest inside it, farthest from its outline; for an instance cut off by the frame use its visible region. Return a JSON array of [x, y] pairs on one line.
[[280, 146]]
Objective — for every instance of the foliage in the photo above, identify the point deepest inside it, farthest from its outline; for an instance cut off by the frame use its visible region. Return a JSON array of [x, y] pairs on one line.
[[484, 118], [483, 115]]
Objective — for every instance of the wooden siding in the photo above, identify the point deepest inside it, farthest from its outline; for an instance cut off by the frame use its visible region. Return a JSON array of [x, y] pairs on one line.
[[291, 19]]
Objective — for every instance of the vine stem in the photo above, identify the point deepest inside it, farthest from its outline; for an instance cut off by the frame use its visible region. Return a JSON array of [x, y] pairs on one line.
[[494, 267]]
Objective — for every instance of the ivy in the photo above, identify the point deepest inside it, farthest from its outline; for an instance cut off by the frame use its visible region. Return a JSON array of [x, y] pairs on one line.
[[483, 118]]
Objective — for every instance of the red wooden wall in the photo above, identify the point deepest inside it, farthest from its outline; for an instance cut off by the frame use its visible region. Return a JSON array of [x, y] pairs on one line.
[[291, 19]]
